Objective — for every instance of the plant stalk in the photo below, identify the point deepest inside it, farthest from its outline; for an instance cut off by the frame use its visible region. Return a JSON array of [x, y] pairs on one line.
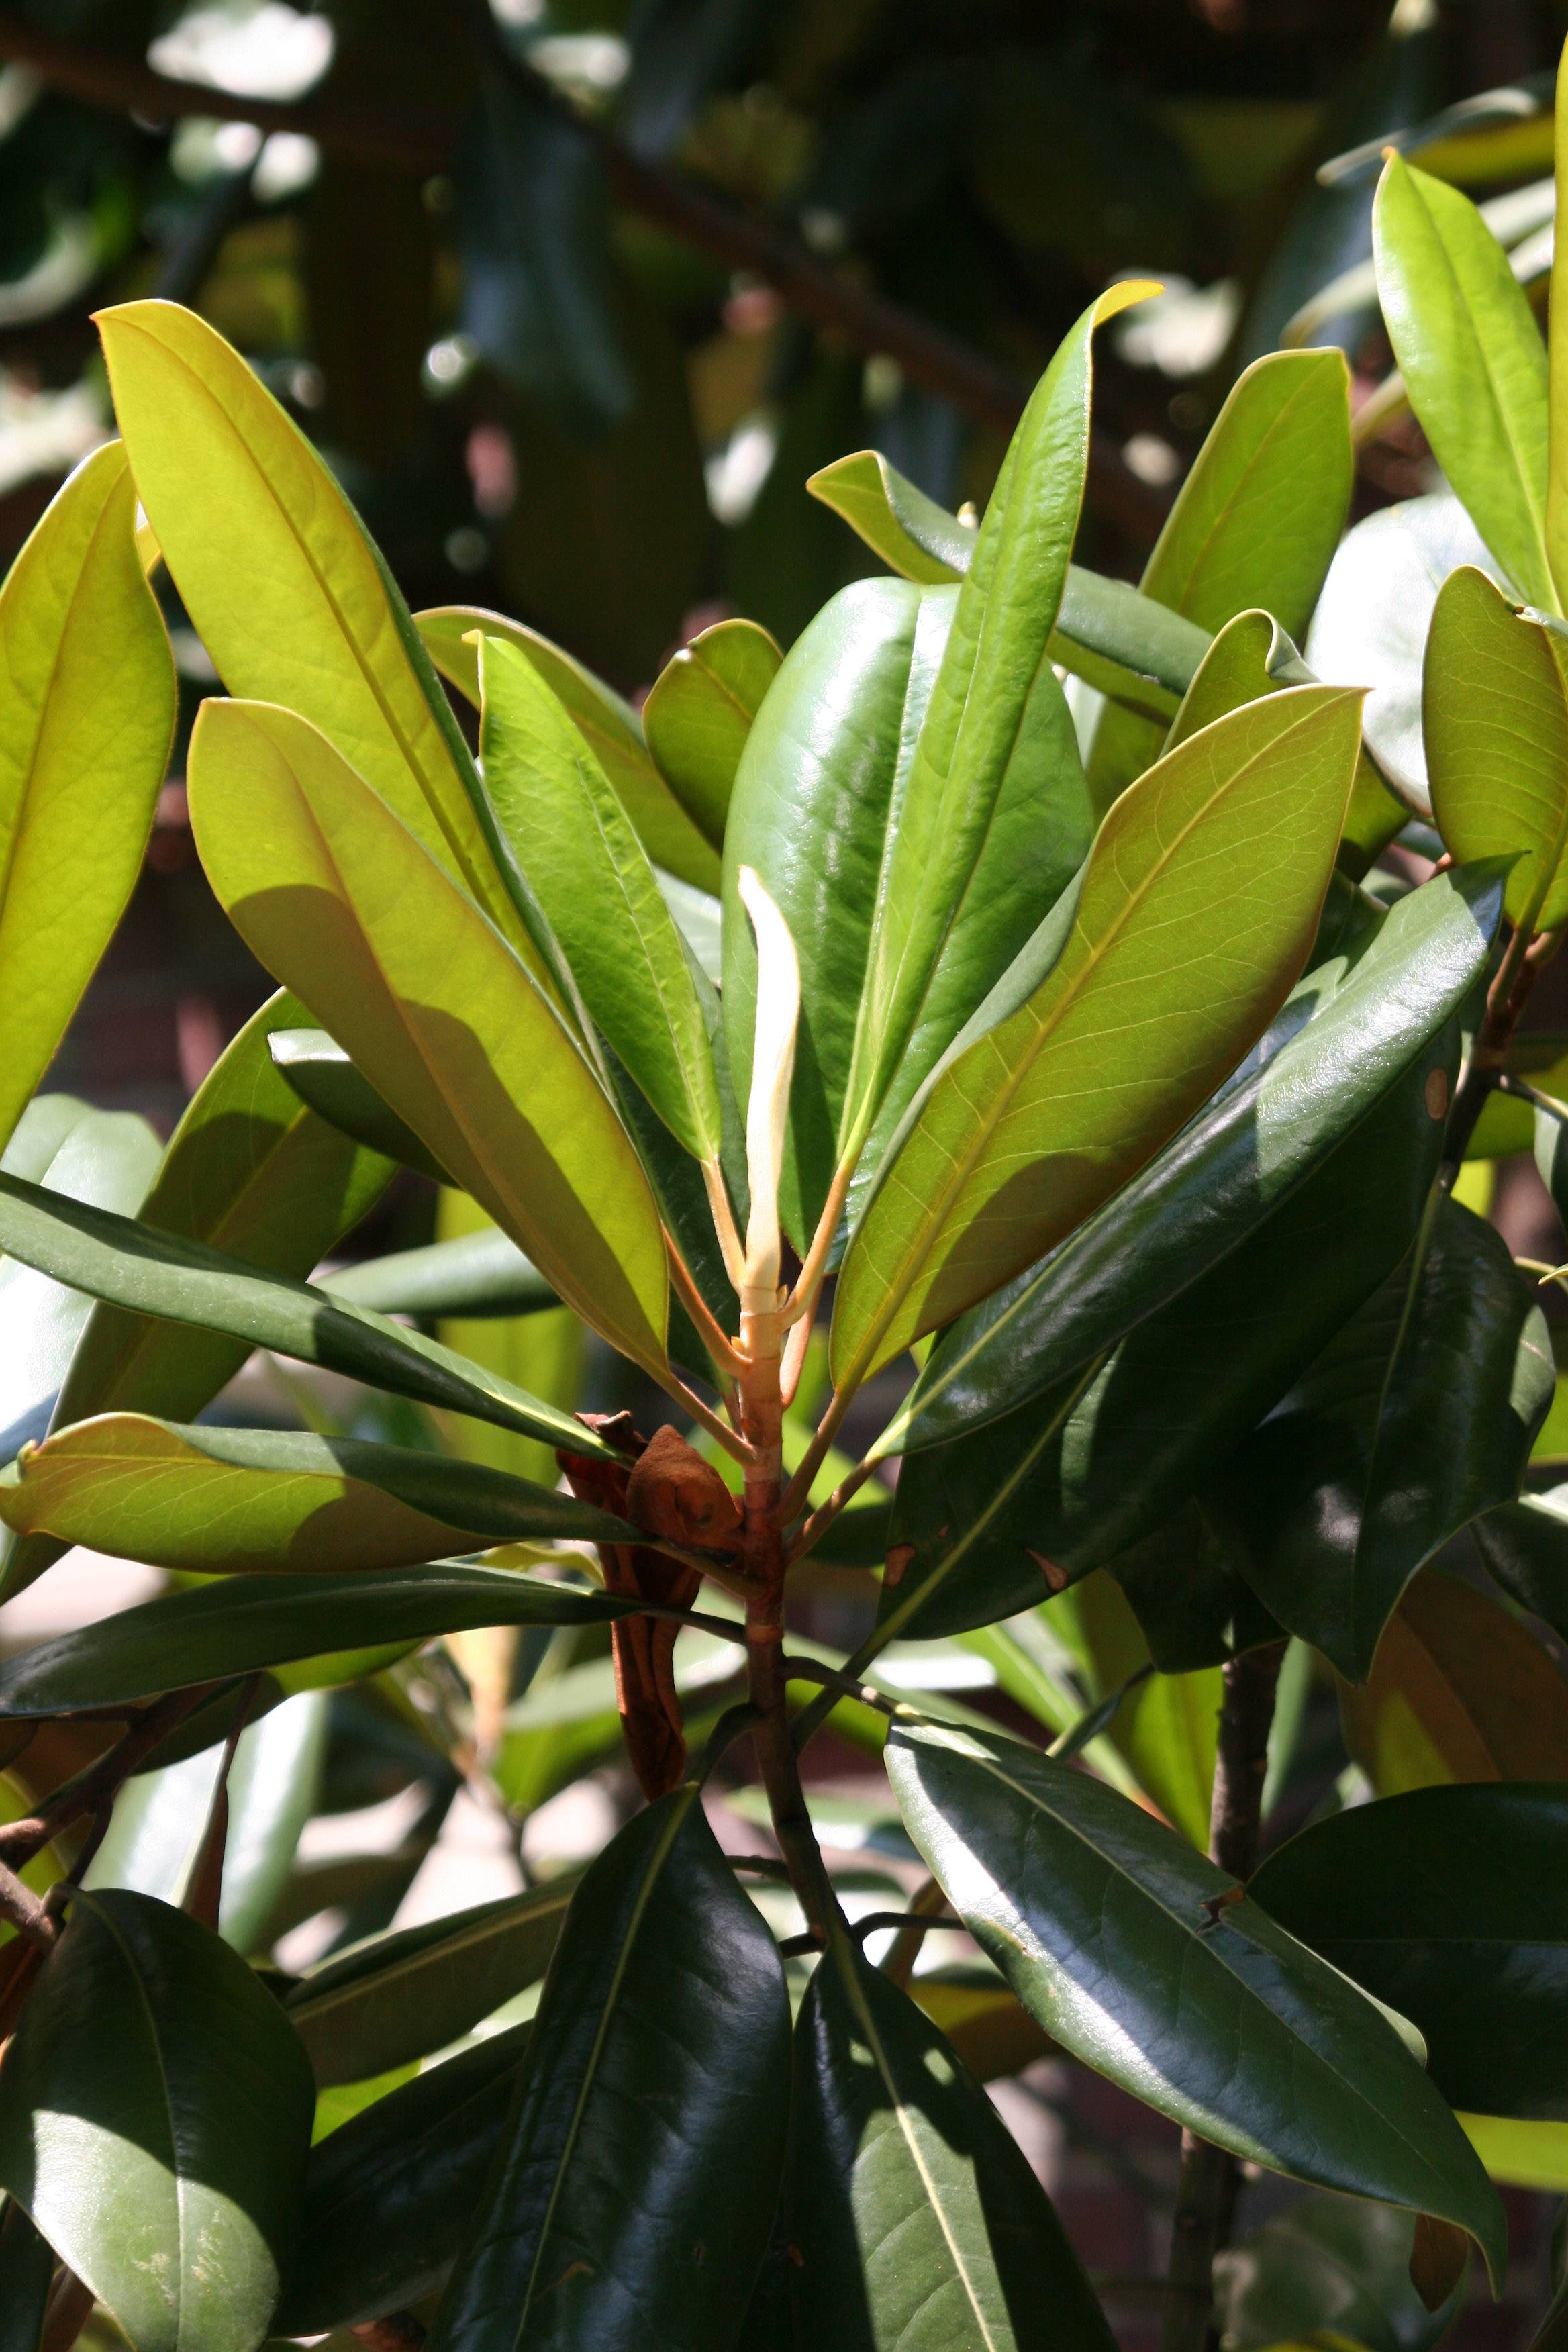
[[1205, 2197]]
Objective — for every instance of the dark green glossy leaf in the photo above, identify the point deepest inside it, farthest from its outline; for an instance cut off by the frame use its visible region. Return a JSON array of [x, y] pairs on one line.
[[1071, 1480], [1254, 524], [1096, 1916], [238, 1624], [474, 1275], [26, 2275], [634, 2199], [153, 1273], [1419, 1415], [1027, 1127], [107, 1157], [1181, 1585], [154, 2116], [320, 1075], [1373, 618], [227, 1500], [389, 2196], [1471, 356], [1451, 1904], [914, 2220], [609, 725], [1333, 2267], [1358, 1019], [1525, 1546], [699, 713], [402, 1995]]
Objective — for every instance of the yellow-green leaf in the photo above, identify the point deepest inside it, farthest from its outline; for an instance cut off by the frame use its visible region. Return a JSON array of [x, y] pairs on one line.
[[87, 714], [339, 899], [610, 727], [912, 534], [577, 845], [699, 713], [1197, 913], [284, 587], [1494, 710], [1557, 369]]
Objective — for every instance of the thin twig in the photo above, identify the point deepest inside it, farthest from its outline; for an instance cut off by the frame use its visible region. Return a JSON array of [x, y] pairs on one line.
[[710, 1330], [93, 1789], [796, 1493], [764, 1865], [821, 1518], [25, 1912], [808, 1670], [927, 1904], [875, 1921]]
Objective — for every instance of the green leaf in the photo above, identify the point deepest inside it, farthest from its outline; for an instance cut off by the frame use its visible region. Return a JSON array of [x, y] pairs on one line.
[[1494, 707], [1071, 1480], [26, 2275], [1451, 1904], [1096, 1916], [242, 1624], [1138, 652], [1254, 524], [155, 1837], [1557, 377], [1459, 1690], [1363, 1015], [1332, 2268], [1197, 909], [1525, 1546], [914, 536], [815, 800], [283, 585], [400, 1996], [1164, 1727], [913, 2219], [319, 1074], [134, 1266], [322, 881], [107, 1157], [990, 690], [699, 712], [249, 1169], [479, 1275], [635, 2195], [598, 893], [1418, 1416], [154, 2116], [1472, 359], [389, 2196], [86, 687], [1373, 619], [610, 728], [225, 1501]]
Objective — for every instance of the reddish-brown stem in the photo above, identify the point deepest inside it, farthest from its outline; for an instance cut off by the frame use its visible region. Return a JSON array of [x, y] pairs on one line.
[[92, 1790], [22, 1907], [821, 1518]]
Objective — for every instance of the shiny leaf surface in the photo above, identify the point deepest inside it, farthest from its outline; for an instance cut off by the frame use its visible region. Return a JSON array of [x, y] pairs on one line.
[[242, 1624], [1097, 1918], [597, 890], [154, 2116], [635, 2196], [699, 713], [914, 2221], [151, 1272], [1450, 1906], [319, 1074]]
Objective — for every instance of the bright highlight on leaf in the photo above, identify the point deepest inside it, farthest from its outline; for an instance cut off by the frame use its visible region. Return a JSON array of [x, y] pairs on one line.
[[772, 1064]]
